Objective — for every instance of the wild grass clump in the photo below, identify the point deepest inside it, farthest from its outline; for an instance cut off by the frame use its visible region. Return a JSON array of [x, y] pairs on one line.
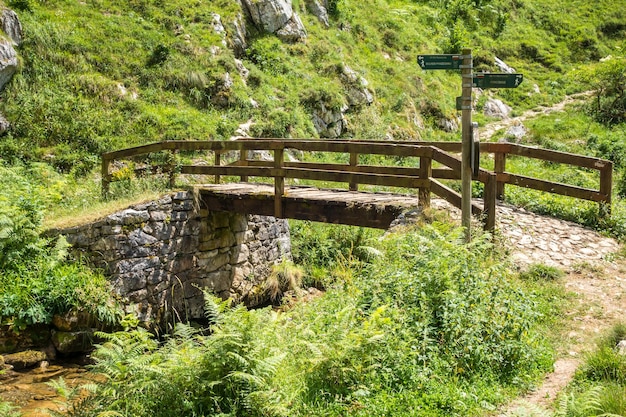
[[432, 325], [599, 387], [541, 272]]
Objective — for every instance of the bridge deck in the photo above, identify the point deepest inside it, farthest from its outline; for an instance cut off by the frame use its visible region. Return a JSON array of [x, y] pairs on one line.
[[355, 208]]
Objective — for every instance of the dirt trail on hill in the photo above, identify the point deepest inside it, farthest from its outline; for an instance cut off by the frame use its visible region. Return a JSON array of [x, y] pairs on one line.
[[594, 274], [487, 132]]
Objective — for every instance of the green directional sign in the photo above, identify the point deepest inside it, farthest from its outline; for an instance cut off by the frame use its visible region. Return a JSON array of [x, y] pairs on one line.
[[440, 62], [489, 80]]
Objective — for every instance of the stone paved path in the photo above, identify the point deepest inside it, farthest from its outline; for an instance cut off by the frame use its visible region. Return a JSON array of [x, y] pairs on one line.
[[533, 238]]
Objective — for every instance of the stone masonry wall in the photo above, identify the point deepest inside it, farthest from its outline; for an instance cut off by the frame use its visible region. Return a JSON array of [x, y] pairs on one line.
[[159, 255]]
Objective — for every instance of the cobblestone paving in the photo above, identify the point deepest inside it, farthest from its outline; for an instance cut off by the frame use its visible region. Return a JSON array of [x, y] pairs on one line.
[[534, 238]]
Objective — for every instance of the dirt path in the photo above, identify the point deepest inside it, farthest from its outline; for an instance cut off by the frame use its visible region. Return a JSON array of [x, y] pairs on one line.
[[594, 276], [487, 132]]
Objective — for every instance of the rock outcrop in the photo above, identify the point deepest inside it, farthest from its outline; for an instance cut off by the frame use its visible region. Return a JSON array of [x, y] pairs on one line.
[[496, 108], [357, 93], [329, 122], [8, 62], [319, 9], [11, 25], [276, 16]]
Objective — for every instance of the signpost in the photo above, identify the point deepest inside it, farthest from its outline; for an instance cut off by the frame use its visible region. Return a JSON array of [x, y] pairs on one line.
[[464, 62], [438, 62], [490, 80]]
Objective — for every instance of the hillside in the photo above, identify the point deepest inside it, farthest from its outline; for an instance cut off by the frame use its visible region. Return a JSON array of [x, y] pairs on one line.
[[101, 75]]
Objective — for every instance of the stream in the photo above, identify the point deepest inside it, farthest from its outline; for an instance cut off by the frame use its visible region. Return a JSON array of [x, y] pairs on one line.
[[28, 389]]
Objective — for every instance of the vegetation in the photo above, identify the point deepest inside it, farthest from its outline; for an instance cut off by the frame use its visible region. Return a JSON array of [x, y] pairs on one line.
[[394, 333], [36, 281], [599, 388], [397, 337]]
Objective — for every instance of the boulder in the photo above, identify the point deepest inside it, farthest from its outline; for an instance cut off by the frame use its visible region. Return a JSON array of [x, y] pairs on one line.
[[319, 10], [496, 108], [357, 92], [329, 123], [72, 342], [72, 321], [269, 15], [621, 347], [448, 125], [25, 359], [8, 62], [276, 16], [11, 26], [293, 31], [515, 133], [502, 66]]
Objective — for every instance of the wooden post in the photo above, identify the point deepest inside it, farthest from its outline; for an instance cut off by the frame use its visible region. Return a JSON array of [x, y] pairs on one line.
[[466, 125], [499, 168], [354, 161], [172, 168], [606, 188], [279, 183], [426, 172], [489, 203], [218, 162], [243, 159], [106, 178]]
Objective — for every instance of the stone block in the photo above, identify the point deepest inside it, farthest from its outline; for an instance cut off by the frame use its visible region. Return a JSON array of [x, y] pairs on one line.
[[182, 195], [73, 321], [240, 254], [128, 217], [159, 216], [179, 215], [140, 238], [238, 223], [213, 264], [115, 229], [182, 205], [225, 240]]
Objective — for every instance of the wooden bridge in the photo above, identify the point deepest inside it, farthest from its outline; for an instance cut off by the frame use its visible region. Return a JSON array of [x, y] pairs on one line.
[[412, 170]]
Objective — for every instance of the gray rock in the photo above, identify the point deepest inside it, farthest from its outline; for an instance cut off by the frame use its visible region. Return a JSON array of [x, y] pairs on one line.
[[516, 133], [448, 125], [218, 27], [621, 347], [357, 92], [502, 66], [128, 217], [496, 108], [8, 62], [4, 124], [269, 15], [11, 26], [318, 10], [293, 31], [329, 123]]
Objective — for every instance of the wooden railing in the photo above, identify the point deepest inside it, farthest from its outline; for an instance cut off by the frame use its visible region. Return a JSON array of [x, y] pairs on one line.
[[352, 173], [423, 177], [501, 151]]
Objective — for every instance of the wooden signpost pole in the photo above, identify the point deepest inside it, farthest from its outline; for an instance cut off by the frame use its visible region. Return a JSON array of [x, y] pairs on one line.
[[466, 134]]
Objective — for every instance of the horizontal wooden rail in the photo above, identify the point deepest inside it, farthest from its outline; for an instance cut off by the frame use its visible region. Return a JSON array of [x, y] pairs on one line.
[[422, 178]]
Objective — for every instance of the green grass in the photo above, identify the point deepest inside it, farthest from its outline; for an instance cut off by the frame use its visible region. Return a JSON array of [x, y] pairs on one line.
[[599, 387]]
